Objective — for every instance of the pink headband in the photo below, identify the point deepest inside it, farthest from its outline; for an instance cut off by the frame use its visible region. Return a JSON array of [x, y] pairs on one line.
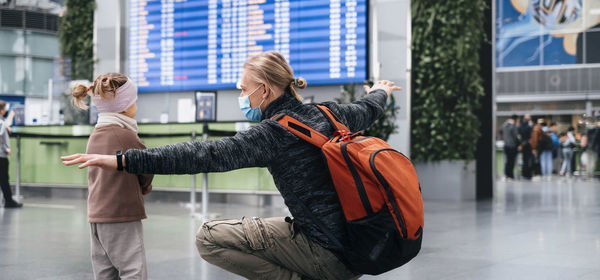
[[126, 96]]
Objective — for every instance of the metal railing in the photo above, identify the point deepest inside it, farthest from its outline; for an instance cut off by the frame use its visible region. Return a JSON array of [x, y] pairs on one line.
[[206, 132]]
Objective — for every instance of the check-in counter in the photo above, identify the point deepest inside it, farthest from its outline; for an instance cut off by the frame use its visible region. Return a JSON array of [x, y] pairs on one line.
[[40, 148]]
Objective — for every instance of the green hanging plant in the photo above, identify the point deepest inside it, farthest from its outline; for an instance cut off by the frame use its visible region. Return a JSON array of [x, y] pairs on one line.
[[446, 85], [76, 37], [384, 126]]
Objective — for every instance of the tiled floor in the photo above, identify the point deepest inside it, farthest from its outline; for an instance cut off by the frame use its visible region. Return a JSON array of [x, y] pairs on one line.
[[530, 230]]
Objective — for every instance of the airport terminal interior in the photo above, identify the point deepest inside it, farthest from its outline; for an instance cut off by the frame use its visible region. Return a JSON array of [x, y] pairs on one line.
[[495, 102]]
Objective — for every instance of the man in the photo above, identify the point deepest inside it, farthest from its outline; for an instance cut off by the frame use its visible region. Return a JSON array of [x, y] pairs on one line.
[[4, 153], [525, 134], [511, 143]]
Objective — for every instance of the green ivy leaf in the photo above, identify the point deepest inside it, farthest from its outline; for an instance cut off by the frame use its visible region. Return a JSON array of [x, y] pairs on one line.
[[76, 33], [446, 36]]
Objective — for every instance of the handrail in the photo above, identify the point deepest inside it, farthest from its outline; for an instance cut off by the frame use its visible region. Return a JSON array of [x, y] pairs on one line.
[[211, 132]]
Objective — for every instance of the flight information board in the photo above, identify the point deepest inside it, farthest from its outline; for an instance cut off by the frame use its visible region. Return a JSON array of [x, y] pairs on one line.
[[177, 45]]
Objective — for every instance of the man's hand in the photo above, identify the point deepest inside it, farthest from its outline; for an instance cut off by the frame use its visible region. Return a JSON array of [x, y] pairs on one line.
[[385, 85], [8, 152]]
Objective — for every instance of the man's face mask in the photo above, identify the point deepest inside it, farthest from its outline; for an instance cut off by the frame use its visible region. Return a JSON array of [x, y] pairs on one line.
[[252, 114]]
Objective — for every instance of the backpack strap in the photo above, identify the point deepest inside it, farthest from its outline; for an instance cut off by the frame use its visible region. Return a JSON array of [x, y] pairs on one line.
[[301, 130], [335, 122]]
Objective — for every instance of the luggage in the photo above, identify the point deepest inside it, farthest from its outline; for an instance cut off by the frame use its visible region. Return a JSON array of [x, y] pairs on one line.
[[379, 193]]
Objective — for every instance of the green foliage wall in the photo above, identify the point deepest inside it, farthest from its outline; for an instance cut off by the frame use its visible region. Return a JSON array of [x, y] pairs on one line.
[[76, 35], [446, 85]]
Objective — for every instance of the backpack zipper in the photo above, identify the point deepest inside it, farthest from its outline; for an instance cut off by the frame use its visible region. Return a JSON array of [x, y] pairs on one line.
[[358, 182], [388, 191]]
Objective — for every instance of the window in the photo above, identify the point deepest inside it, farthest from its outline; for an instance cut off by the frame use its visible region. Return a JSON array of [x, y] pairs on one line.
[[12, 75], [38, 74], [12, 42]]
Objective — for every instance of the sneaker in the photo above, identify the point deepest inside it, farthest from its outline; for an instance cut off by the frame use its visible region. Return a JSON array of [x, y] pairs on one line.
[[13, 204]]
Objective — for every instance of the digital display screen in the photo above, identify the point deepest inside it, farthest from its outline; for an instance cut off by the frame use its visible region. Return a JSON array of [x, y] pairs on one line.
[[547, 32], [179, 45]]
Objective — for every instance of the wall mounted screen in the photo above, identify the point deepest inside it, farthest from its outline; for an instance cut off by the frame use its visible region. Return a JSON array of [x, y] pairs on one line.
[[178, 45]]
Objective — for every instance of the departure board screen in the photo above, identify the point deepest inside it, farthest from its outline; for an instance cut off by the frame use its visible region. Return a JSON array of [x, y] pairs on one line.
[[178, 45]]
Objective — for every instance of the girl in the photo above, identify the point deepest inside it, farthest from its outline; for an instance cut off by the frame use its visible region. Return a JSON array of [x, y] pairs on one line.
[[115, 202]]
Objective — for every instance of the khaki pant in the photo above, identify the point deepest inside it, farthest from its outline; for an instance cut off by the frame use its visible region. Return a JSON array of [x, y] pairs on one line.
[[118, 250], [267, 249]]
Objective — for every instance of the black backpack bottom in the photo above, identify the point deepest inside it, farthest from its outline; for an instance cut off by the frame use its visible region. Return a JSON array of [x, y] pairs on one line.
[[375, 246]]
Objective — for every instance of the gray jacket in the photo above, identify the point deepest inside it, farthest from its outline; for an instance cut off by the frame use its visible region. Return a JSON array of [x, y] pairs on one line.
[[4, 141], [510, 135], [297, 167]]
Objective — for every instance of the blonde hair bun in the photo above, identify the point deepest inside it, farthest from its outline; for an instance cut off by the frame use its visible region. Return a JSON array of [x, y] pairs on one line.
[[80, 92], [299, 83]]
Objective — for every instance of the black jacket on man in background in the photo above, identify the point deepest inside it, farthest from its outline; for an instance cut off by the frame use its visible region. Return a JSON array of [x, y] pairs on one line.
[[525, 130], [511, 144]]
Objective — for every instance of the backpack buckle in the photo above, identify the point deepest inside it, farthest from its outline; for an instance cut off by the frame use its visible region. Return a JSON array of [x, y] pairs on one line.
[[344, 135]]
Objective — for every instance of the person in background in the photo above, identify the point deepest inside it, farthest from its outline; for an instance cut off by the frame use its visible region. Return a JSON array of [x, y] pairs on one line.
[[555, 147], [9, 202], [525, 135], [536, 148], [577, 150], [115, 200], [583, 149], [568, 145], [545, 147], [511, 143], [593, 150]]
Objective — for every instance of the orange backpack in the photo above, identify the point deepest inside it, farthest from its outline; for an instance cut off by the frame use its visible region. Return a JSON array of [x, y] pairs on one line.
[[379, 193]]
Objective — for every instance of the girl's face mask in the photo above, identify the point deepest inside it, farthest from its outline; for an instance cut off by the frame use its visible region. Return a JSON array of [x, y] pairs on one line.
[[252, 114]]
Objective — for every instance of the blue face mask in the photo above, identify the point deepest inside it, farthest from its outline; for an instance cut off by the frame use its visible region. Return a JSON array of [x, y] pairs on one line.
[[252, 114]]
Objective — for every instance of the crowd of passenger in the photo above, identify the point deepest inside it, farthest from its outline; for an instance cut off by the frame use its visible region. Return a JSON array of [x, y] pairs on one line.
[[545, 150]]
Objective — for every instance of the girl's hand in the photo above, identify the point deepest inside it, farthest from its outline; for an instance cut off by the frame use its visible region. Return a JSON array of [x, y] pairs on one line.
[[147, 190], [385, 85], [105, 161]]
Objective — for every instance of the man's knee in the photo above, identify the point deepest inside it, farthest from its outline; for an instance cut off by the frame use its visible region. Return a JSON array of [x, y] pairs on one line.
[[204, 243]]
